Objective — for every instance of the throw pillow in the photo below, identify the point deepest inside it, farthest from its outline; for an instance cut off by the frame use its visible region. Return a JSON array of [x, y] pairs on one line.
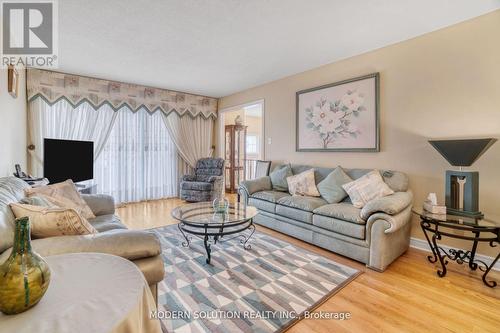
[[36, 201], [63, 195], [364, 189], [50, 222], [303, 184], [331, 189], [279, 176]]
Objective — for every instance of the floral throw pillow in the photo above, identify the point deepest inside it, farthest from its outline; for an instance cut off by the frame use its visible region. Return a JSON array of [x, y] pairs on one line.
[[367, 188], [62, 195], [53, 221], [303, 184]]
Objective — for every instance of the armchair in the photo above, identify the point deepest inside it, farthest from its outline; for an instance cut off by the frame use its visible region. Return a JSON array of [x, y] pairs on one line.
[[206, 183]]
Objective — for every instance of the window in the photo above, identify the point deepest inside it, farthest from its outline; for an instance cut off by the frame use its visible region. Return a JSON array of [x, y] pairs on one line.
[[252, 144], [139, 161]]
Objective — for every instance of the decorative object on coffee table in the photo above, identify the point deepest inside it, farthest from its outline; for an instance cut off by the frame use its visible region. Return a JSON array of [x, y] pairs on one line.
[[462, 187], [25, 276], [220, 205], [205, 222], [484, 229], [342, 116]]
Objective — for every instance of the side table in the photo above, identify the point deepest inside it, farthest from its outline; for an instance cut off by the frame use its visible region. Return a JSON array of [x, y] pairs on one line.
[[475, 230]]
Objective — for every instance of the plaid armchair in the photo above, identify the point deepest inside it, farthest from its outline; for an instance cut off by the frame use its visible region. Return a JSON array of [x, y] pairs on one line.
[[206, 183]]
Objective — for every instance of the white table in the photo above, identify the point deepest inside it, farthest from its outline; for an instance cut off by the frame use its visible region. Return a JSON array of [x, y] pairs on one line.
[[89, 292]]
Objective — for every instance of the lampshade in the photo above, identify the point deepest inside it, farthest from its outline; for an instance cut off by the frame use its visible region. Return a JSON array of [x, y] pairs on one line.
[[462, 152]]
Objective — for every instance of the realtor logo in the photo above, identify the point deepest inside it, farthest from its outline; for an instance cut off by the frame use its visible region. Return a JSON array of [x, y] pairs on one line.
[[29, 33]]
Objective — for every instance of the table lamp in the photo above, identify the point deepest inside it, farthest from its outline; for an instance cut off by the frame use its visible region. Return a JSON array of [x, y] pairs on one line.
[[462, 187]]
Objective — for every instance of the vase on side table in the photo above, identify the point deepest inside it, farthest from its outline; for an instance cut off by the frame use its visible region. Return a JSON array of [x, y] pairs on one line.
[[24, 276]]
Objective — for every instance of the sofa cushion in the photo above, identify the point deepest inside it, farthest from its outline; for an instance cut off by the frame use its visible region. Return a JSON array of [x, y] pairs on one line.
[[342, 211], [101, 204], [294, 213], [53, 221], [64, 195], [11, 190], [271, 196], [331, 189], [369, 187], [36, 201], [129, 244], [262, 205], [279, 176], [307, 204], [107, 222], [339, 226], [396, 180], [303, 184], [197, 186]]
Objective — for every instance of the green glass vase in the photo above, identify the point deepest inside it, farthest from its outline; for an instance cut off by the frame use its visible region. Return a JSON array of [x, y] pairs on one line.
[[25, 276]]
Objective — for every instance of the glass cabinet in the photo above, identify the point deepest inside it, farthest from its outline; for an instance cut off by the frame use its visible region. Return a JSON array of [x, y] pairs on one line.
[[235, 155]]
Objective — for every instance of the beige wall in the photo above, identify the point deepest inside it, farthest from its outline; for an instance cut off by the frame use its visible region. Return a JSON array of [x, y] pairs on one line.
[[440, 85], [230, 116], [13, 126]]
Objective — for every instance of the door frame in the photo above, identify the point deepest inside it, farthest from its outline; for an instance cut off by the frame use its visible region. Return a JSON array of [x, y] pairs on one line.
[[220, 120]]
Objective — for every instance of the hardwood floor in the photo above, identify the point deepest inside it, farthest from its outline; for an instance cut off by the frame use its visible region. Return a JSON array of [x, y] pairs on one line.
[[407, 297]]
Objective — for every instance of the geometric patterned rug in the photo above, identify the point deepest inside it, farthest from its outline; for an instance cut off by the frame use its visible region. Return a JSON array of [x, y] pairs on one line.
[[264, 289]]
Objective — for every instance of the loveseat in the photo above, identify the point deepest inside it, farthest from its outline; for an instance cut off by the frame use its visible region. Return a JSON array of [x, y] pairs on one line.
[[375, 235], [141, 247]]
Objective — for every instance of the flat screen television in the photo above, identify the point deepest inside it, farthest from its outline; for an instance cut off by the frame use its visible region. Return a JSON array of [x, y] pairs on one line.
[[67, 159]]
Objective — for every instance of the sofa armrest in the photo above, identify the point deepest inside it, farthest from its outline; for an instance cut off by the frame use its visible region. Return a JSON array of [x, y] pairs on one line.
[[129, 244], [256, 185], [391, 204], [392, 222], [213, 179], [100, 204], [188, 178]]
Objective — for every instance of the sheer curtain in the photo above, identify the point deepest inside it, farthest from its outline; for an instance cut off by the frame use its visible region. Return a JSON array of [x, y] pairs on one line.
[[62, 121], [192, 136], [139, 161], [135, 157]]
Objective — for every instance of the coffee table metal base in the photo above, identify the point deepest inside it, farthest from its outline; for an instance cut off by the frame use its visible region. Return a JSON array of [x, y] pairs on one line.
[[211, 234]]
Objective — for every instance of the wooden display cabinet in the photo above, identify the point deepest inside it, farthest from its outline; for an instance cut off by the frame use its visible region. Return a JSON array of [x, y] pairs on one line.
[[235, 155]]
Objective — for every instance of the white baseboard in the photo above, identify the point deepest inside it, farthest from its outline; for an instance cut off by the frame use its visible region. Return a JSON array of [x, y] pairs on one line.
[[421, 244]]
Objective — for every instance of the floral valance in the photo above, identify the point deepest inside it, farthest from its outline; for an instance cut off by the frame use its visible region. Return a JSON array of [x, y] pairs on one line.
[[53, 86]]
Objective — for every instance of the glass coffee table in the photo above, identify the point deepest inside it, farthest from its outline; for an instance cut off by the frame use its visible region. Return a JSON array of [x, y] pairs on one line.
[[201, 220]]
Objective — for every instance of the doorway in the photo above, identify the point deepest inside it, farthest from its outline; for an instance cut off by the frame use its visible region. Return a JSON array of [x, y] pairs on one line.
[[241, 137]]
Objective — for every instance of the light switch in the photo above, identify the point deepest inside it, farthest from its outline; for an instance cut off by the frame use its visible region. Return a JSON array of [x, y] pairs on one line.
[[269, 141]]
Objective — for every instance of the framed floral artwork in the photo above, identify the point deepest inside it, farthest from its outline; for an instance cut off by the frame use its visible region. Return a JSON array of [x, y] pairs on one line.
[[342, 116]]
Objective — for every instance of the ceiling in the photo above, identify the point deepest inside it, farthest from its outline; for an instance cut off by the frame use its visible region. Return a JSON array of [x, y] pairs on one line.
[[219, 47]]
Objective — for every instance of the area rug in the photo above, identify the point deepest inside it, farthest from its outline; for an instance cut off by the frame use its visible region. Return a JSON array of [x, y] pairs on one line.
[[264, 289]]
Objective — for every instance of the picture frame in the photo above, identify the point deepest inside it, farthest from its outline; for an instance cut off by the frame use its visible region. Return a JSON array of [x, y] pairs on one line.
[[12, 81], [339, 117]]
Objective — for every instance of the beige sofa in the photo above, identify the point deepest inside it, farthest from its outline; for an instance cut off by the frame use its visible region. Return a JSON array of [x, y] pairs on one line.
[[141, 247]]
